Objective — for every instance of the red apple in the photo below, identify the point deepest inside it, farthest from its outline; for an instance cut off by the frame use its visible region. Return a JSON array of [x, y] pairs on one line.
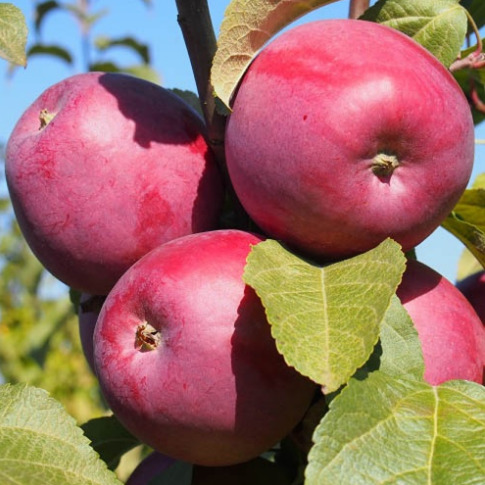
[[88, 313], [473, 287], [345, 132], [451, 333], [185, 357], [102, 168], [149, 468]]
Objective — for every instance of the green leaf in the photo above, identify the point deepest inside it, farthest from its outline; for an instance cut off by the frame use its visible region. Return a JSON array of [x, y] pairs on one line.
[[401, 347], [110, 439], [438, 25], [477, 10], [41, 10], [467, 222], [50, 50], [386, 430], [190, 98], [246, 27], [179, 473], [142, 71], [104, 43], [40, 443], [325, 320], [13, 34]]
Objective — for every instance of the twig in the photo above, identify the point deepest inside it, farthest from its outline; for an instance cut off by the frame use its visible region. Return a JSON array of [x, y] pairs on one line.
[[357, 8]]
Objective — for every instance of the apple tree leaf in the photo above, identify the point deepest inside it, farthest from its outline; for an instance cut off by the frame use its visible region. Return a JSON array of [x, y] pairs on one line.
[[104, 43], [246, 27], [392, 427], [389, 430], [477, 10], [13, 34], [467, 222], [438, 25], [50, 50], [109, 438], [401, 347], [40, 443], [325, 320]]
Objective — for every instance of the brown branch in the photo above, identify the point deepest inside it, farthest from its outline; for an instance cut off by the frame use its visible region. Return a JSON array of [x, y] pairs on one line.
[[357, 8], [196, 25]]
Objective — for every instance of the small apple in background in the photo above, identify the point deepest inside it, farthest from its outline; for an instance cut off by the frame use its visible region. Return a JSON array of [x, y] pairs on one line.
[[473, 287], [451, 333], [344, 132], [258, 471], [149, 468], [88, 313], [185, 357], [101, 169]]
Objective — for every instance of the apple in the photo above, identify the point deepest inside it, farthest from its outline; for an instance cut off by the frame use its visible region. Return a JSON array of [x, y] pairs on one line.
[[258, 471], [473, 287], [451, 333], [344, 132], [88, 313], [185, 357], [149, 468], [101, 169]]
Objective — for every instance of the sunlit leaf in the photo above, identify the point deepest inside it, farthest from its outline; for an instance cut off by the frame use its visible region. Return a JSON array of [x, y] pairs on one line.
[[13, 34], [41, 444], [247, 26], [325, 320], [467, 222], [438, 25], [388, 430]]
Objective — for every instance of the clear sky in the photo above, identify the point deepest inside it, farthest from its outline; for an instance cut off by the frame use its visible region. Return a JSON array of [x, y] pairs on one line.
[[157, 26]]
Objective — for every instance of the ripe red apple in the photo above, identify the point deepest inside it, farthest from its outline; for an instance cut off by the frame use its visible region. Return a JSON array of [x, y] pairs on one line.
[[473, 287], [102, 168], [451, 333], [185, 358], [345, 132]]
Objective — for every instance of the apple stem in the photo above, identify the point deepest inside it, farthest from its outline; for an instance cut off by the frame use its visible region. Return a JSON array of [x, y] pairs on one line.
[[384, 164], [147, 338], [45, 118], [357, 8]]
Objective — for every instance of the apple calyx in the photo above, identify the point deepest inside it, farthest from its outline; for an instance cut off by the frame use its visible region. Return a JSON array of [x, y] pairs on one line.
[[45, 118], [147, 338], [384, 164]]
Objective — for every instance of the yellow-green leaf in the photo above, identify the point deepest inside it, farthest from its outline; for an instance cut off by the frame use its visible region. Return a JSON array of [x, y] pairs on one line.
[[246, 27], [467, 222], [438, 25], [388, 430], [13, 34], [325, 320], [40, 443]]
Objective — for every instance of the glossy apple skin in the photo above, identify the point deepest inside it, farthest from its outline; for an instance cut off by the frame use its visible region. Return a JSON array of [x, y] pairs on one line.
[[121, 168], [451, 333], [215, 391], [311, 113], [473, 287]]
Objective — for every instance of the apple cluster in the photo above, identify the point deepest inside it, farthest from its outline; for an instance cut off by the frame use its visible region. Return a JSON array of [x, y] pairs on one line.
[[342, 133]]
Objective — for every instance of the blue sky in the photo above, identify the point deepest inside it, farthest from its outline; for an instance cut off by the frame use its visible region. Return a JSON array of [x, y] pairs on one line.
[[157, 26]]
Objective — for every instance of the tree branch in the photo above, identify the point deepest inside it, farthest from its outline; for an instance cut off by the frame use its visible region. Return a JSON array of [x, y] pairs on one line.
[[196, 25], [357, 8]]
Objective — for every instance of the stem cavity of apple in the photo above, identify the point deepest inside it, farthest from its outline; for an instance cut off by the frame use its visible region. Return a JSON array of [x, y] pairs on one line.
[[384, 164], [147, 337], [45, 118]]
